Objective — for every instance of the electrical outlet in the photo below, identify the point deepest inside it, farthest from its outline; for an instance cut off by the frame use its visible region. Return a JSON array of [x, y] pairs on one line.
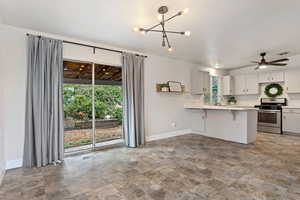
[[173, 124]]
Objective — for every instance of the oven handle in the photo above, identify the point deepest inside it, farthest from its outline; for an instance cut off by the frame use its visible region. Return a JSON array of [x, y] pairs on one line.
[[269, 111]]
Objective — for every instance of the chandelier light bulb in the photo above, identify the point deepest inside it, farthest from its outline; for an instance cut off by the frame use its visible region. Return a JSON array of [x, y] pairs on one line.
[[187, 33], [143, 32], [170, 49], [159, 17], [185, 11], [136, 29]]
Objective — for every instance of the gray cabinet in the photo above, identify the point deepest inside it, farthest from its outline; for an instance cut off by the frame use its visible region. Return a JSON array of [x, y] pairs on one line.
[[200, 82]]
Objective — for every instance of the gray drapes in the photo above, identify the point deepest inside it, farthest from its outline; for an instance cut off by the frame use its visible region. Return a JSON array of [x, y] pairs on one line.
[[44, 103], [133, 100]]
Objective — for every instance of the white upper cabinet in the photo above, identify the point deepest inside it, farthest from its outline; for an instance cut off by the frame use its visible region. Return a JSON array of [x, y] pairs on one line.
[[292, 81], [239, 85], [251, 84], [227, 85], [246, 84], [277, 76], [200, 82], [272, 76]]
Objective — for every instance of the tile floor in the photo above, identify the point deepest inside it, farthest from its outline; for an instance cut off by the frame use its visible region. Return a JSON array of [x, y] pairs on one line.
[[185, 167]]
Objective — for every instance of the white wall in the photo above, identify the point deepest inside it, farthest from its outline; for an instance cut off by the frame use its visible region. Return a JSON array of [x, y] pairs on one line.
[[2, 111], [161, 109]]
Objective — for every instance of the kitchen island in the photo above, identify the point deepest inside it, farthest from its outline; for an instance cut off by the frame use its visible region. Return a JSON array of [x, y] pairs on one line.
[[231, 123]]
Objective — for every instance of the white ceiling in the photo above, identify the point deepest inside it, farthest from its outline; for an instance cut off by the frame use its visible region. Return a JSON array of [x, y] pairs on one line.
[[229, 32]]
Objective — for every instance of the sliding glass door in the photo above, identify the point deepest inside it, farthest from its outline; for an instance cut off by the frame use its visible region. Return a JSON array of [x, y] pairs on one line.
[[108, 103], [92, 105]]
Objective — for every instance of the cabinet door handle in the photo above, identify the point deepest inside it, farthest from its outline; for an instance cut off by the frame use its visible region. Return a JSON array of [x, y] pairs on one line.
[[287, 88]]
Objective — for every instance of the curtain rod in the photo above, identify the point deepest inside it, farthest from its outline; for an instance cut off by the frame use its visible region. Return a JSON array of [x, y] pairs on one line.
[[94, 47]]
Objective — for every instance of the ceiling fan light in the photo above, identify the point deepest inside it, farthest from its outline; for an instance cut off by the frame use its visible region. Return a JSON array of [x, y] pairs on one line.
[[262, 66], [187, 33]]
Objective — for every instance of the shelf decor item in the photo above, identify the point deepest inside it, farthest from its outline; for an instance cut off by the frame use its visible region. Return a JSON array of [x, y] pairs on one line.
[[164, 87], [273, 90], [231, 100], [175, 86], [170, 87]]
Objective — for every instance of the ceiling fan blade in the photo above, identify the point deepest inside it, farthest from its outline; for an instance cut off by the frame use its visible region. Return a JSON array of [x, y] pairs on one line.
[[280, 60], [254, 62], [277, 64]]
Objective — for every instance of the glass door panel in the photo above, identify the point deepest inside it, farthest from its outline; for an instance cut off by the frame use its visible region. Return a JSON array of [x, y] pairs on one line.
[[78, 106], [108, 103]]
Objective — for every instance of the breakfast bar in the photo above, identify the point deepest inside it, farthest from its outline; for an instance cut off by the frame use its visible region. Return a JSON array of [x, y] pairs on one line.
[[231, 123]]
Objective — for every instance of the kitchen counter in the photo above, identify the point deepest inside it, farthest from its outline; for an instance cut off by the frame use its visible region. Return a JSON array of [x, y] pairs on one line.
[[290, 107], [231, 123], [211, 107]]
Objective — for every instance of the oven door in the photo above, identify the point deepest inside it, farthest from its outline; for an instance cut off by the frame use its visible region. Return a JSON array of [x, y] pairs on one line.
[[270, 118]]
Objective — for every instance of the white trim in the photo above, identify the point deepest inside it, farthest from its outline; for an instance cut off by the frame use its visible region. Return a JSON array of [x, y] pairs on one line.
[[11, 164], [168, 135], [2, 176]]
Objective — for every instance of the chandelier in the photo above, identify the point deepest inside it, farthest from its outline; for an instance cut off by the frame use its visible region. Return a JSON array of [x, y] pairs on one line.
[[162, 18]]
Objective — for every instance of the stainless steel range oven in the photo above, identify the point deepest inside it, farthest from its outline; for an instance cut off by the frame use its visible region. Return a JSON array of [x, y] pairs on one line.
[[270, 115]]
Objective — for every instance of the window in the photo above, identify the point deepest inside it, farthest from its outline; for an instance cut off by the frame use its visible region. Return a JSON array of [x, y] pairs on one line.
[[215, 90]]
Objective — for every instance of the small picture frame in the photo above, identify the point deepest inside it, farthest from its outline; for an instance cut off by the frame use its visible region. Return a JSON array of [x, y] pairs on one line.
[[175, 86]]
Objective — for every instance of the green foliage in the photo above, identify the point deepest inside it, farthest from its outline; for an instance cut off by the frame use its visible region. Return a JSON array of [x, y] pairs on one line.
[[78, 101]]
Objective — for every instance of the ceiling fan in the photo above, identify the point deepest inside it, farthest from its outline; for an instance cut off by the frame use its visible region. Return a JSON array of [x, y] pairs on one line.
[[262, 64]]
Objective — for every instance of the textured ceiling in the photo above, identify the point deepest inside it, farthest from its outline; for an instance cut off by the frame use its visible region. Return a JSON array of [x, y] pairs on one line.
[[228, 32]]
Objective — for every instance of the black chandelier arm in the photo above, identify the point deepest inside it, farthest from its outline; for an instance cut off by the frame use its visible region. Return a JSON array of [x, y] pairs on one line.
[[176, 15], [160, 31], [167, 39], [165, 34], [150, 29], [163, 21]]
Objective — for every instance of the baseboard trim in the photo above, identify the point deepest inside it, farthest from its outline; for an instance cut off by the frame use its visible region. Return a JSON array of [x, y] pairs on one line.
[[12, 164], [2, 176], [168, 135]]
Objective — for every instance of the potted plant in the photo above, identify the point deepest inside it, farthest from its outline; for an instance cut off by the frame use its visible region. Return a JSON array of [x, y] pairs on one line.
[[231, 100]]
